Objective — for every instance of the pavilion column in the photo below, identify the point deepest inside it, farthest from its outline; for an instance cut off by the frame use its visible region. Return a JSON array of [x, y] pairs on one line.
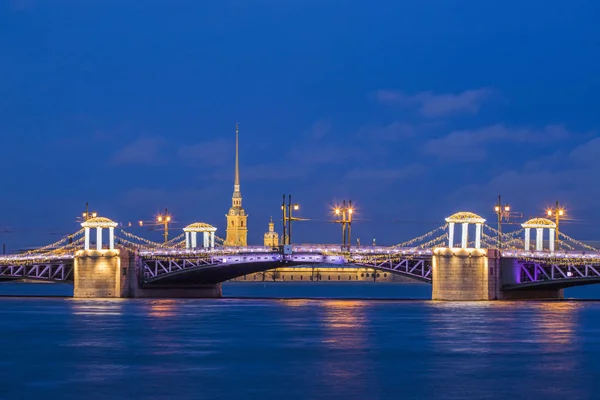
[[539, 239], [87, 238], [477, 236], [187, 240], [111, 238], [212, 240], [527, 238], [98, 238], [194, 237], [465, 235], [451, 234], [551, 239], [205, 239]]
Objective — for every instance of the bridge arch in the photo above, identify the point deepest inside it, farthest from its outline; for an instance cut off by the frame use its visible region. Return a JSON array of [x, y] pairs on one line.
[[204, 271]]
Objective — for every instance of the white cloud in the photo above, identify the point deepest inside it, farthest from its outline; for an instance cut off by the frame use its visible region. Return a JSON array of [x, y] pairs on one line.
[[143, 151], [384, 174], [438, 105], [391, 132], [471, 145], [215, 152]]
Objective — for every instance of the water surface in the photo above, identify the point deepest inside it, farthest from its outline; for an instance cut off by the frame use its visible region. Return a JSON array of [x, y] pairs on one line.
[[299, 348]]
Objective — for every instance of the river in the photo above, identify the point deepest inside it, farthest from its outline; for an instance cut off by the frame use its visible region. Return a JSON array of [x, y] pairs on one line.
[[286, 341]]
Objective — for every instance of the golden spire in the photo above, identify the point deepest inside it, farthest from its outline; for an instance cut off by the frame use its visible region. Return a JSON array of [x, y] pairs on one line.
[[236, 183]]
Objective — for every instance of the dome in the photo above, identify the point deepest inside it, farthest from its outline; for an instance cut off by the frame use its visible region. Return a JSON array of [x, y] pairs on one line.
[[99, 222], [199, 227], [465, 217], [539, 223]]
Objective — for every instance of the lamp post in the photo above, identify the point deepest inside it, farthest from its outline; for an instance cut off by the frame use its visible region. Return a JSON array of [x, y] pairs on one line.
[[558, 213], [87, 214], [344, 213], [164, 220], [503, 212], [287, 218]]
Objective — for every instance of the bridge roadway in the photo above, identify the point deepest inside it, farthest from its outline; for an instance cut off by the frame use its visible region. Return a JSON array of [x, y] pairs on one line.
[[178, 266]]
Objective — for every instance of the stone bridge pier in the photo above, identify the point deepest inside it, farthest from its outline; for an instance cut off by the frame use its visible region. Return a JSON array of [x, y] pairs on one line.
[[116, 274], [472, 273], [479, 274]]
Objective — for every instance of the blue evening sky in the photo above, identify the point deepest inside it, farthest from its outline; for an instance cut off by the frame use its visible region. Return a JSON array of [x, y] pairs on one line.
[[413, 109]]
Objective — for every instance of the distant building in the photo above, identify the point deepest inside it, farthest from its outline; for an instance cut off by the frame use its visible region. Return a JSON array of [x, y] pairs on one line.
[[237, 229], [271, 237]]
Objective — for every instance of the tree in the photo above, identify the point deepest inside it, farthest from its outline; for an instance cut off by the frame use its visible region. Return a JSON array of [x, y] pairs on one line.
[[275, 274]]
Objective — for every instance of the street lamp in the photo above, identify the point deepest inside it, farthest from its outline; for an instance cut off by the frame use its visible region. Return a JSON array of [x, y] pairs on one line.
[[345, 213], [287, 218], [503, 212], [163, 219], [87, 214], [558, 213]]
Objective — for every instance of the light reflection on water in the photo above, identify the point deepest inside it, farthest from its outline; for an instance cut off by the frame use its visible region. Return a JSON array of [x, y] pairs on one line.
[[298, 348]]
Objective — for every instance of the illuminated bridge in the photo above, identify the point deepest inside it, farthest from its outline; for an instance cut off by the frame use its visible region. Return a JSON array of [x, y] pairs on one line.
[[509, 263]]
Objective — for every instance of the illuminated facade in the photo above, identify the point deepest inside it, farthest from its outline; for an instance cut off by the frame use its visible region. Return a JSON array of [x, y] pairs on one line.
[[237, 228], [271, 237]]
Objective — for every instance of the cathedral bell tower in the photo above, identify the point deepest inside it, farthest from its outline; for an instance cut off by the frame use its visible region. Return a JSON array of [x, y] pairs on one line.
[[237, 229]]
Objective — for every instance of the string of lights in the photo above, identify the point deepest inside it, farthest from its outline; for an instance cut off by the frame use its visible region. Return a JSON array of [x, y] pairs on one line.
[[409, 243], [560, 260], [576, 242], [128, 243], [141, 239], [55, 244], [434, 242], [176, 240]]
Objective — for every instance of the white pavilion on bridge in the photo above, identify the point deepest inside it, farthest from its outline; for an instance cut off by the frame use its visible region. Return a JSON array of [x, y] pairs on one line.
[[539, 224], [99, 223], [191, 235], [465, 219]]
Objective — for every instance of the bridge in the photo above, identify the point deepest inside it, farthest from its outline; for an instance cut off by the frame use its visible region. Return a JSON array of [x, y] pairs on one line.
[[492, 265]]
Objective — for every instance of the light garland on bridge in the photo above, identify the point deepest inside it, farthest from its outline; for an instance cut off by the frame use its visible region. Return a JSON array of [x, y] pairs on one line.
[[576, 242], [564, 261], [129, 244], [176, 240], [55, 244], [434, 242], [505, 237], [141, 239], [409, 243]]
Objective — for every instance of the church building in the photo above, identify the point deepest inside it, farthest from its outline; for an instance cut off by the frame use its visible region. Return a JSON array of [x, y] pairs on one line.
[[271, 237], [237, 229]]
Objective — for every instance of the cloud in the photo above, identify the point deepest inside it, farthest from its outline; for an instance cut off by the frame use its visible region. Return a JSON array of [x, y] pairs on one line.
[[433, 105], [471, 145], [588, 153], [384, 174], [567, 178], [216, 152], [143, 151], [392, 132], [320, 128]]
